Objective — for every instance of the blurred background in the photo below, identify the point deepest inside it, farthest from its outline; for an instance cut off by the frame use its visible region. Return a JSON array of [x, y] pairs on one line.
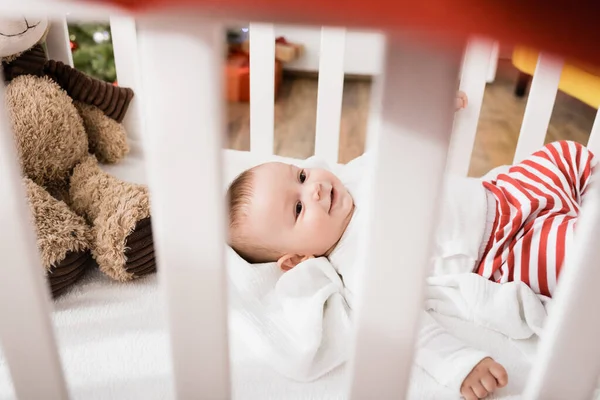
[[296, 69]]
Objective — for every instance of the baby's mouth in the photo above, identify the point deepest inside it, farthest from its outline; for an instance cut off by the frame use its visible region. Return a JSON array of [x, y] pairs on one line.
[[332, 194]]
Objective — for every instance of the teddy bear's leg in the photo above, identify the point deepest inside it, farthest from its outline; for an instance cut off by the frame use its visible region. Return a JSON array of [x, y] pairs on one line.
[[63, 238], [107, 138], [120, 214]]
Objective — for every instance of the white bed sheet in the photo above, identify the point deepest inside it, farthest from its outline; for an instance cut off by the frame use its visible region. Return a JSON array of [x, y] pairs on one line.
[[114, 342], [114, 345]]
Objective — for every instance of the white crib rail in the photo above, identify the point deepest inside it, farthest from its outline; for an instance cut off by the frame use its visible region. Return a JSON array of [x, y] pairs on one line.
[[568, 361], [330, 91], [540, 103], [26, 332], [125, 49], [57, 41], [419, 82], [594, 141], [183, 153], [493, 67], [262, 88], [475, 69]]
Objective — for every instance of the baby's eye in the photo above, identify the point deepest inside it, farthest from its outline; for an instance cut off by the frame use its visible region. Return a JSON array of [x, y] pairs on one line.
[[302, 176], [298, 208]]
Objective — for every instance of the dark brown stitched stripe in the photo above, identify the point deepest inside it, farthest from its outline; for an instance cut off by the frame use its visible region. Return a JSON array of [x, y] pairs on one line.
[[142, 229], [144, 251], [141, 261]]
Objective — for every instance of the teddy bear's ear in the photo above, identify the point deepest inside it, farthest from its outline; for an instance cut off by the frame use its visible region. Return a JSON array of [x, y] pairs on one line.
[[18, 35]]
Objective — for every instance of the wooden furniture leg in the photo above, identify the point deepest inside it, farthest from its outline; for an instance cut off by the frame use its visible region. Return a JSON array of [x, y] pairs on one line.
[[522, 82]]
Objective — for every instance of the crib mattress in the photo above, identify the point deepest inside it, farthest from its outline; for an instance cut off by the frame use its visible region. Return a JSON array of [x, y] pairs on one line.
[[114, 342]]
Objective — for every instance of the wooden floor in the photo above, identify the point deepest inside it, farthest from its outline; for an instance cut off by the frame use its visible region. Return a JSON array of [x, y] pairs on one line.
[[498, 130]]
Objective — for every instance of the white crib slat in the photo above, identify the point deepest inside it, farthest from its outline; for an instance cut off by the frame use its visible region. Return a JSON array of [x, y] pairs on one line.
[[594, 141], [410, 154], [493, 67], [262, 88], [57, 41], [124, 39], [88, 11], [26, 331], [184, 126], [540, 103], [568, 361], [375, 104], [475, 68], [330, 91]]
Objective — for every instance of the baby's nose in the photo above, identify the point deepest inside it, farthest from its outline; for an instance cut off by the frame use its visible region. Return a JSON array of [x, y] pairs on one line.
[[320, 189], [317, 191]]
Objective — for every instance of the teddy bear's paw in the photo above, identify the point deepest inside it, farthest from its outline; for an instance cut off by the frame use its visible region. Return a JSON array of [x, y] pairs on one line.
[[63, 238], [123, 244], [63, 274], [140, 250]]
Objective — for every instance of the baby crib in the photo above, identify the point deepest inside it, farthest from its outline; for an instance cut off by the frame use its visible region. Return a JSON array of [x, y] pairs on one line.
[[176, 125]]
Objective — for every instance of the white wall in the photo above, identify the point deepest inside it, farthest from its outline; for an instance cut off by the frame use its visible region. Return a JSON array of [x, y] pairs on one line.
[[363, 56]]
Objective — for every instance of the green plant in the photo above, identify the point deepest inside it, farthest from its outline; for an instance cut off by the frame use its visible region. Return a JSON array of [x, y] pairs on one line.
[[93, 50]]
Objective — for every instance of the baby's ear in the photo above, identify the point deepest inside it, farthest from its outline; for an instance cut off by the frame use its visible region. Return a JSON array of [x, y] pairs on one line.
[[289, 261]]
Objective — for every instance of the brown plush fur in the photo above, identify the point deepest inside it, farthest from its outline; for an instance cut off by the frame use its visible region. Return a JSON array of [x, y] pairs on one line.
[[11, 58], [114, 207], [50, 138], [107, 138], [59, 230], [77, 208]]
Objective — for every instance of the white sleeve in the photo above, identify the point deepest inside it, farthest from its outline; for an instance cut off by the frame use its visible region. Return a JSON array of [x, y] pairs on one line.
[[309, 332], [447, 359]]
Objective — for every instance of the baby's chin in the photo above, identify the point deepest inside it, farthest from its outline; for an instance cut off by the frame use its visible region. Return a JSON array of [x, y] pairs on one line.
[[348, 217], [342, 228], [348, 208]]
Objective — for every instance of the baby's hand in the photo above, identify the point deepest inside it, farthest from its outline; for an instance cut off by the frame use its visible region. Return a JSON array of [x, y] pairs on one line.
[[461, 100], [484, 379]]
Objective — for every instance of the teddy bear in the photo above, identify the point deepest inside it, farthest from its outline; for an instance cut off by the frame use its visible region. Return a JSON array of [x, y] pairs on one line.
[[66, 124]]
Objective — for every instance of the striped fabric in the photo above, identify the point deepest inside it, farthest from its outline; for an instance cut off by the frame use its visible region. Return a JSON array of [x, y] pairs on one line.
[[537, 206]]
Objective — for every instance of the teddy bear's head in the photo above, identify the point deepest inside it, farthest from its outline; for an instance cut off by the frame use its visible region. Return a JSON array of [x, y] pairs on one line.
[[48, 129], [18, 35], [58, 114]]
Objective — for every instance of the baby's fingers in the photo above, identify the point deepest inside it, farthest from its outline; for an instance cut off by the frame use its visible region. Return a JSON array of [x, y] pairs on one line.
[[461, 100], [489, 383], [468, 394], [500, 374], [479, 390]]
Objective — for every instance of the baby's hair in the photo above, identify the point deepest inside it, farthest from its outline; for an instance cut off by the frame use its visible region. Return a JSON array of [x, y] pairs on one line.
[[239, 196]]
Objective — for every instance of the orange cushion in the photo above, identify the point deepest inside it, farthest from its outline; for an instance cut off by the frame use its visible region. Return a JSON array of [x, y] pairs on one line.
[[580, 80]]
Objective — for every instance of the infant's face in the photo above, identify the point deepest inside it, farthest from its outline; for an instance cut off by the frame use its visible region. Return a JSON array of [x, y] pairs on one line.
[[298, 211]]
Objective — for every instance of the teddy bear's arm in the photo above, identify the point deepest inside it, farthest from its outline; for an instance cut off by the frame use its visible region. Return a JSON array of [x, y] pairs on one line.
[[107, 138], [122, 243], [112, 100]]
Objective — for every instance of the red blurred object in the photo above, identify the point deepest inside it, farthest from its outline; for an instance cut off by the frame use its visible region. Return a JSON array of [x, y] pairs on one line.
[[237, 71], [562, 27], [73, 45]]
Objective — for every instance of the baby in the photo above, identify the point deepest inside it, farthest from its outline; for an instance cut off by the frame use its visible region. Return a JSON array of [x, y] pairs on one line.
[[516, 224]]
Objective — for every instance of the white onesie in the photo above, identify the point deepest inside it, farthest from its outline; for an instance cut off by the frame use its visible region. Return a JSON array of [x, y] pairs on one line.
[[463, 229]]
